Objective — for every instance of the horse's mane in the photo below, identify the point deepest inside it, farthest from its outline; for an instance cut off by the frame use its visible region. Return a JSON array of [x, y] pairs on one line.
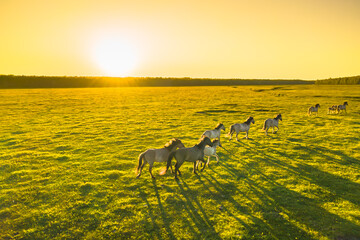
[[169, 145], [202, 142], [248, 121], [218, 126]]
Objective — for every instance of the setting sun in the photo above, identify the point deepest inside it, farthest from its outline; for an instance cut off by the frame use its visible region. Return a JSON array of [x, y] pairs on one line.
[[115, 57]]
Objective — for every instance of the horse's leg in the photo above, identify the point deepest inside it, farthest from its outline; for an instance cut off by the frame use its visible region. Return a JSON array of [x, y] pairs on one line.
[[177, 166], [171, 168], [207, 163], [237, 133], [247, 134], [150, 168], [142, 166], [195, 168], [176, 169], [197, 165], [217, 158]]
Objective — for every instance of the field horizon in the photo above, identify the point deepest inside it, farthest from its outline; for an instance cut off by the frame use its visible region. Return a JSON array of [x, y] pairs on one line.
[[68, 159]]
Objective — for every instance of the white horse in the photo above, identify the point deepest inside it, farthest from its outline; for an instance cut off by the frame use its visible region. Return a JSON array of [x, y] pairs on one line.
[[342, 107], [210, 152], [314, 109], [241, 127], [157, 155], [272, 122], [215, 133]]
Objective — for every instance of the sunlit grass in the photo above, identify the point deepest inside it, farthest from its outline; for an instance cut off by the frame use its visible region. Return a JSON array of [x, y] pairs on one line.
[[67, 161]]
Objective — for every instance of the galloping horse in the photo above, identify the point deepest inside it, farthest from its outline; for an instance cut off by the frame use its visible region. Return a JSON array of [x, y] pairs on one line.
[[342, 107], [210, 152], [333, 109], [272, 122], [215, 133], [313, 109], [158, 155], [241, 127], [191, 154]]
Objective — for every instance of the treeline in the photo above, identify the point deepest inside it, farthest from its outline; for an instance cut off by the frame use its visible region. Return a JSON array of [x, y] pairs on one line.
[[339, 81], [11, 81]]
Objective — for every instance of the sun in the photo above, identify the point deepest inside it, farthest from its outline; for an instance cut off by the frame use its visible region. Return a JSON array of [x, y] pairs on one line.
[[115, 57]]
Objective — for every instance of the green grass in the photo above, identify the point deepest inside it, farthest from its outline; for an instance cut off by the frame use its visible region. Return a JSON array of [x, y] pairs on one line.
[[67, 161]]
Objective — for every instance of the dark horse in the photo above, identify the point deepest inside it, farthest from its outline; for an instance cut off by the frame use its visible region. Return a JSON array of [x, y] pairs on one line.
[[191, 154]]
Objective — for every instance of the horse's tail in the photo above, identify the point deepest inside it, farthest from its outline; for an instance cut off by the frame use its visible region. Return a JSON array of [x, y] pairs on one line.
[[309, 111], [231, 130], [141, 157], [171, 155], [264, 125]]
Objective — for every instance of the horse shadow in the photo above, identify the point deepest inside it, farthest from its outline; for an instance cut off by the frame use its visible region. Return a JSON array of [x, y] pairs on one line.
[[196, 212], [273, 223], [155, 226], [277, 198]]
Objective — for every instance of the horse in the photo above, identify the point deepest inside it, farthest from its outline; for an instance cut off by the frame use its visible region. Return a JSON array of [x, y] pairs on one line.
[[241, 127], [210, 152], [342, 107], [157, 155], [333, 109], [191, 154], [313, 109], [215, 133], [272, 122]]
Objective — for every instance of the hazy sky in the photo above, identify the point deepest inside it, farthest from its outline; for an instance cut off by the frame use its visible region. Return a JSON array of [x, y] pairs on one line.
[[306, 39]]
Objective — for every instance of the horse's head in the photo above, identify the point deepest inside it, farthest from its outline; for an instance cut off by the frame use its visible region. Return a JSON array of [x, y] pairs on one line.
[[252, 120], [345, 103], [279, 117], [206, 141], [179, 144], [317, 105], [174, 143], [220, 126]]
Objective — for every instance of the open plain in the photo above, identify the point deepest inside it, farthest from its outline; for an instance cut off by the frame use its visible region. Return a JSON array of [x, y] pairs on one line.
[[68, 159]]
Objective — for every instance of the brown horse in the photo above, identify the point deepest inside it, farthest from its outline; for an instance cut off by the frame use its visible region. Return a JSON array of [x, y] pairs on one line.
[[157, 155], [191, 154]]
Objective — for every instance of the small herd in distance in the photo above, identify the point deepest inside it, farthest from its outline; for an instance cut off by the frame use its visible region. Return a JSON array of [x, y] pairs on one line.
[[207, 147], [334, 109]]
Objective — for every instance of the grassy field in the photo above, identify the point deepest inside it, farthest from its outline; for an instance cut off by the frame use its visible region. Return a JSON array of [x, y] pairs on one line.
[[68, 158]]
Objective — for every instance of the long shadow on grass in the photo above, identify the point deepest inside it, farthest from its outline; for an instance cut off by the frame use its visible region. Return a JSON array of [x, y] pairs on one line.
[[155, 227], [275, 223], [165, 218], [302, 209], [192, 205], [337, 185]]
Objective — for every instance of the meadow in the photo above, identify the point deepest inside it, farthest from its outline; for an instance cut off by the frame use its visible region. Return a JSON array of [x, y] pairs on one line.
[[68, 159]]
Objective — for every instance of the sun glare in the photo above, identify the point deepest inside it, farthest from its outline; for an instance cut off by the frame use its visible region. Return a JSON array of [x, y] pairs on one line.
[[115, 57]]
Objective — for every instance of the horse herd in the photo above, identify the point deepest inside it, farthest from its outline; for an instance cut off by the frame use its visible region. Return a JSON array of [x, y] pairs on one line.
[[333, 109], [176, 149]]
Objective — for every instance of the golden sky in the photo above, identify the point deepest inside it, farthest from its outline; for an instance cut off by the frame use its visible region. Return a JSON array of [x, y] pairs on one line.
[[303, 39]]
